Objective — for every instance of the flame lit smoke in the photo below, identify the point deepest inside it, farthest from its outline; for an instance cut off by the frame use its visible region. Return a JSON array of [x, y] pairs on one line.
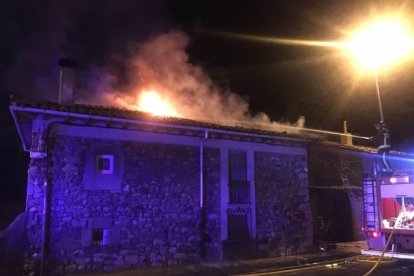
[[163, 82]]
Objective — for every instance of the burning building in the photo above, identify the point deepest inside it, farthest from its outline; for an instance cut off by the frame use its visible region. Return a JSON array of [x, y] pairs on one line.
[[111, 188], [118, 188]]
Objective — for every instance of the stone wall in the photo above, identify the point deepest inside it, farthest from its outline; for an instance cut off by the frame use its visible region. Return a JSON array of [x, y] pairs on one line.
[[341, 211], [36, 181], [212, 239], [326, 164], [283, 214], [154, 219]]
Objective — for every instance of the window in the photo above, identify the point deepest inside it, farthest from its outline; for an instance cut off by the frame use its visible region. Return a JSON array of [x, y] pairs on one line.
[[239, 187], [237, 165], [239, 207], [100, 236], [104, 167], [100, 231], [105, 164]]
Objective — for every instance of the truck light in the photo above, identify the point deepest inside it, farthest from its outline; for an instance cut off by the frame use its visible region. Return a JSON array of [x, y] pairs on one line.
[[374, 234], [402, 179]]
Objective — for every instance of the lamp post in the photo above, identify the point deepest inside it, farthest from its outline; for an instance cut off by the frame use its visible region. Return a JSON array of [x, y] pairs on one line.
[[377, 46], [379, 97]]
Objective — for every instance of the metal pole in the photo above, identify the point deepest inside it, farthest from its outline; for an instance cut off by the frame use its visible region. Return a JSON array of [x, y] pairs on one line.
[[382, 130], [379, 97]]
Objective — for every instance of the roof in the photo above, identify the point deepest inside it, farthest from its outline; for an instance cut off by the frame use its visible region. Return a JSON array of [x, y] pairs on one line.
[[104, 116], [80, 114]]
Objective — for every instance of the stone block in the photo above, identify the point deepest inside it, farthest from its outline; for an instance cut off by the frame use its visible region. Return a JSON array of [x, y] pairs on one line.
[[29, 266], [79, 222], [124, 252], [98, 260], [82, 260], [118, 263], [131, 259], [180, 256], [70, 268]]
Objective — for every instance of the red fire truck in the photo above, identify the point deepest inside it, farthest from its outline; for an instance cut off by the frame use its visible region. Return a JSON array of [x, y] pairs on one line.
[[388, 205]]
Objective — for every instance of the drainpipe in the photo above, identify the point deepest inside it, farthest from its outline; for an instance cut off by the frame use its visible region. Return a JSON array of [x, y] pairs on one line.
[[202, 194], [46, 205], [44, 228], [202, 168]]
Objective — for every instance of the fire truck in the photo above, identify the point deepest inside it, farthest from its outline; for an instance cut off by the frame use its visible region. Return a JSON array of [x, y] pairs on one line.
[[388, 205]]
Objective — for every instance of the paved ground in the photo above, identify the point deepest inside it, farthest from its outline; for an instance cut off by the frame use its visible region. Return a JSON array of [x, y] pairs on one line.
[[343, 252], [359, 265]]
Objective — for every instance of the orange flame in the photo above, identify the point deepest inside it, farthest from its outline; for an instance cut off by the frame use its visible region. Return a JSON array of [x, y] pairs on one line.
[[151, 101]]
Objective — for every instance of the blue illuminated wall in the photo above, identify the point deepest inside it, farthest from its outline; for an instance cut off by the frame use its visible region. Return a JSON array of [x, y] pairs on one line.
[[154, 218], [284, 219], [149, 208]]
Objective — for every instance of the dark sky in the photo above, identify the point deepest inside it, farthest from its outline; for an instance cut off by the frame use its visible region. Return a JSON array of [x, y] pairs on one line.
[[284, 81]]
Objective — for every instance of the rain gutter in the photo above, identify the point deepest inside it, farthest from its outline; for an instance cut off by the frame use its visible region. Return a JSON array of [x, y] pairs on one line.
[[140, 122]]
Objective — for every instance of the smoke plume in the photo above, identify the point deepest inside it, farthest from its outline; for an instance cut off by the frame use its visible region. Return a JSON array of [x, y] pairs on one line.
[[162, 64]]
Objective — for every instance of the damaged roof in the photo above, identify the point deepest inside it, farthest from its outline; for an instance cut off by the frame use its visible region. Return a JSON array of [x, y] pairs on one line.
[[111, 117]]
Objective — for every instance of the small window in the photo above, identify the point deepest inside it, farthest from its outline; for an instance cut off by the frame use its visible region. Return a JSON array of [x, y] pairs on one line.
[[237, 165], [105, 164], [99, 236]]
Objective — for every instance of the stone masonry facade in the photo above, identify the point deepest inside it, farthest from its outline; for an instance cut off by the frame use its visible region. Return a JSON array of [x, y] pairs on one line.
[[283, 214], [327, 168], [154, 218]]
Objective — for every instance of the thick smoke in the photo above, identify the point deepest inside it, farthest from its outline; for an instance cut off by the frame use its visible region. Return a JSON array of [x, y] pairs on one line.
[[114, 70], [162, 64]]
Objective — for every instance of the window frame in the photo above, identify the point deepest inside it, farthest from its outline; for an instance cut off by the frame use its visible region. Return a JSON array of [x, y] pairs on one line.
[[102, 241], [102, 170]]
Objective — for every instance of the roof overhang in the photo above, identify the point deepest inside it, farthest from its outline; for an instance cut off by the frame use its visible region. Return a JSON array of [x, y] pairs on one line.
[[24, 117]]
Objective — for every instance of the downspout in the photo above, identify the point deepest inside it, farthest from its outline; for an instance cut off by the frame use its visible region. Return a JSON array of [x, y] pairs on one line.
[[202, 168], [46, 209], [202, 195], [44, 228]]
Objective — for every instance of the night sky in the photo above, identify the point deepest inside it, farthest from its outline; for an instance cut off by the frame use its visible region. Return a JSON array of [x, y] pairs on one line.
[[283, 81]]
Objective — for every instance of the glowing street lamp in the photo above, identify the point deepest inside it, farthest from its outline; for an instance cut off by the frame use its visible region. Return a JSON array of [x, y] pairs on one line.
[[376, 47], [379, 45]]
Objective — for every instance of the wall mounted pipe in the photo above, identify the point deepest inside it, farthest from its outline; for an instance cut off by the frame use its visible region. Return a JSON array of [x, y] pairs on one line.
[[202, 196], [202, 168]]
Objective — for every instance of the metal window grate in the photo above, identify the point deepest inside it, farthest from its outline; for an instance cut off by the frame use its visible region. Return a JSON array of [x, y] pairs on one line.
[[238, 227], [239, 192]]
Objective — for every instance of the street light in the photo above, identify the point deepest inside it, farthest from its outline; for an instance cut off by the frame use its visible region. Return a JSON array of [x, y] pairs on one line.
[[375, 47], [379, 45]]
